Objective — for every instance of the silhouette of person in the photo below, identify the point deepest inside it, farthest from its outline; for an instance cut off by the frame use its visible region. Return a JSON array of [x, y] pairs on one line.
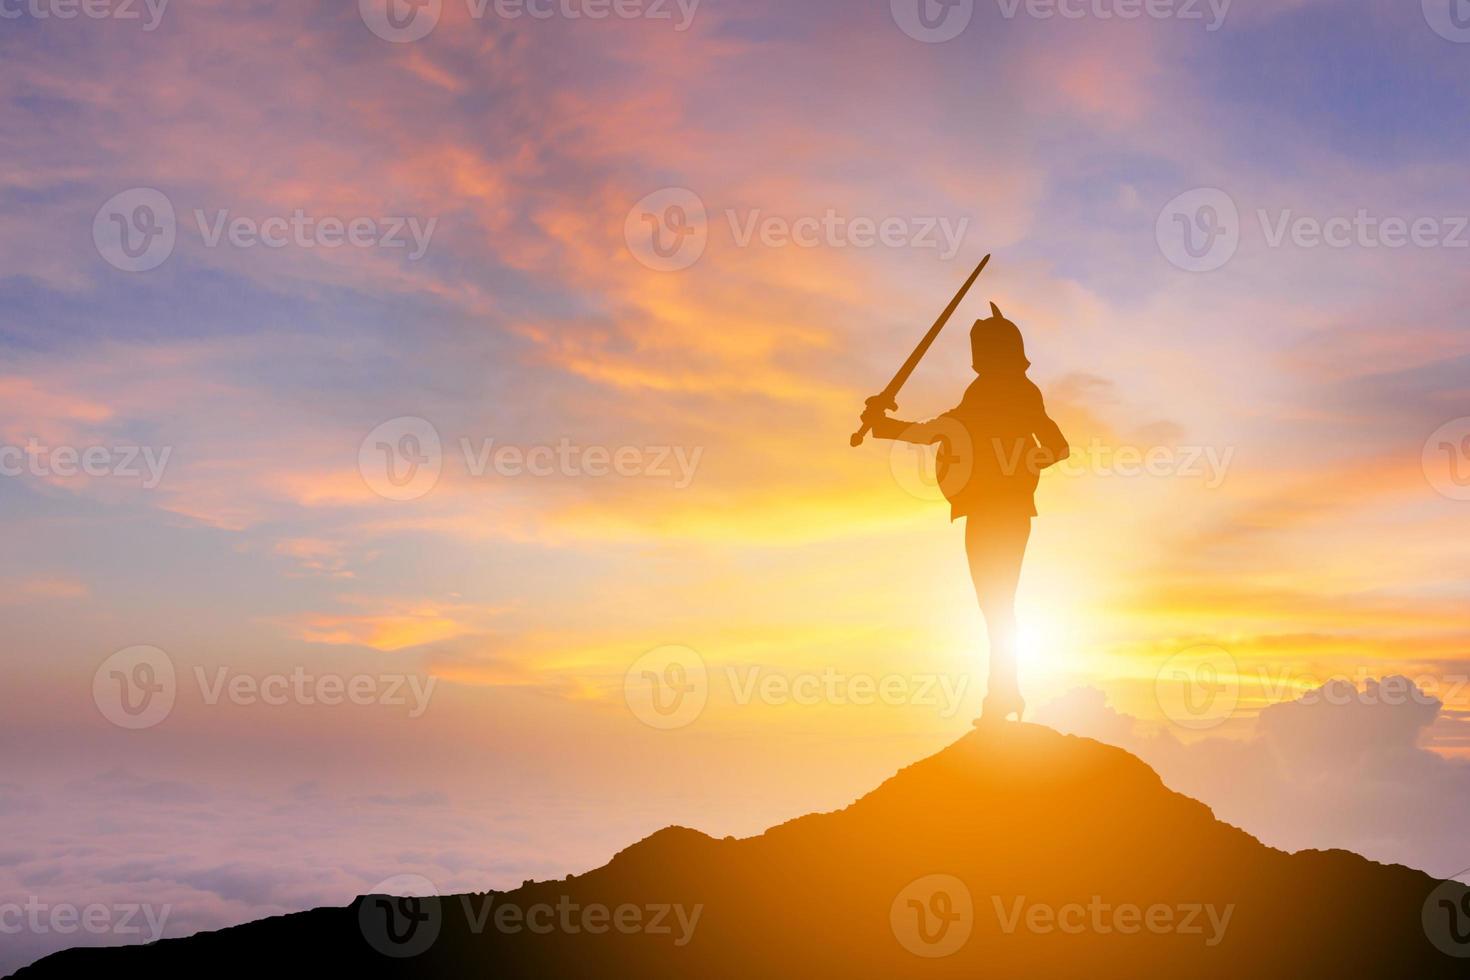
[[993, 446]]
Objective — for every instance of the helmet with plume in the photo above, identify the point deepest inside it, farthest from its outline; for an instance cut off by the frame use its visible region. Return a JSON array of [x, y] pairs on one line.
[[996, 345]]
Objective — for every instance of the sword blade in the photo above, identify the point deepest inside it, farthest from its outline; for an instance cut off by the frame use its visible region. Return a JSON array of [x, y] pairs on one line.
[[902, 376], [899, 379]]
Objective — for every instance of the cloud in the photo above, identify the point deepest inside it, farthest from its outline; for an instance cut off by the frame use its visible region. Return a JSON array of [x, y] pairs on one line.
[[1342, 765], [422, 799], [41, 588], [119, 784], [216, 856], [527, 320]]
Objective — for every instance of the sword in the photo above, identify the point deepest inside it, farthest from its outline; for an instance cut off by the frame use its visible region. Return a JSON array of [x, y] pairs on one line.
[[885, 399]]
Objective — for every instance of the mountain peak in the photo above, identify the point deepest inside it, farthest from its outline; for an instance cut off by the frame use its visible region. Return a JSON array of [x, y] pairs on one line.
[[1014, 851]]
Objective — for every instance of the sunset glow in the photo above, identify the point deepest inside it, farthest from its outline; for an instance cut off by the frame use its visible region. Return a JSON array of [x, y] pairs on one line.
[[625, 455]]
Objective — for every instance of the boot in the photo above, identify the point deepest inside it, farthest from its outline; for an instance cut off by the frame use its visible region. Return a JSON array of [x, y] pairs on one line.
[[1000, 704]]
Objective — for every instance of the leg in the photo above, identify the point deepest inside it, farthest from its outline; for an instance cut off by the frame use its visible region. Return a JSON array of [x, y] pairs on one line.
[[1000, 626], [996, 547]]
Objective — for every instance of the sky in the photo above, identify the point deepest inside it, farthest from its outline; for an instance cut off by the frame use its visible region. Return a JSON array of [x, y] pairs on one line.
[[425, 437]]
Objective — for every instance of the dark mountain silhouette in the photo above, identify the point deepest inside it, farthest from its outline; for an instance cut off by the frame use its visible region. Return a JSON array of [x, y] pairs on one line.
[[1019, 851]]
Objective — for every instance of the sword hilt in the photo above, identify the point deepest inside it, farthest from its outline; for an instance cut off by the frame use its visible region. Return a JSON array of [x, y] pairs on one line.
[[885, 402]]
